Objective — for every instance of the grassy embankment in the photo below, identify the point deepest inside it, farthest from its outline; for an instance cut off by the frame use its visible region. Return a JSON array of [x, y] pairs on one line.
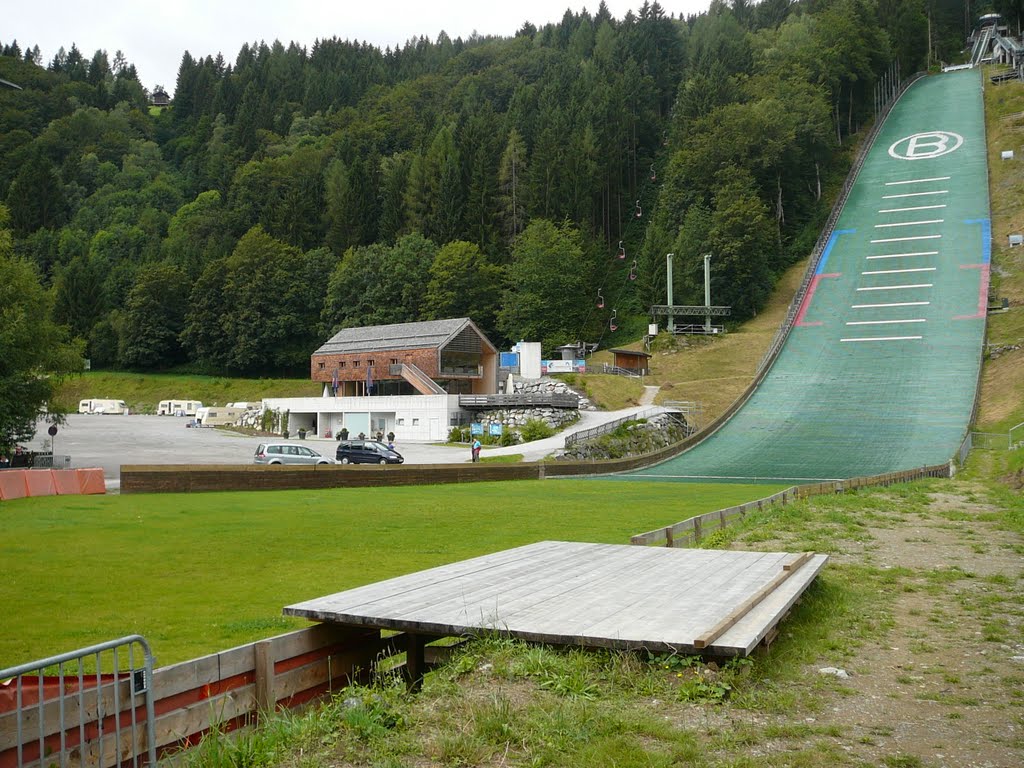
[[143, 391], [1001, 405]]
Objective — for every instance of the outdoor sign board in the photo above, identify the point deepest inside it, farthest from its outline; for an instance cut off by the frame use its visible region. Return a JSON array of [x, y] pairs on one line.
[[563, 366]]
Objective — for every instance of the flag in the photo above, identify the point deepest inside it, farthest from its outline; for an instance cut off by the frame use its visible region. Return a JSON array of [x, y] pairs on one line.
[[369, 379], [334, 382]]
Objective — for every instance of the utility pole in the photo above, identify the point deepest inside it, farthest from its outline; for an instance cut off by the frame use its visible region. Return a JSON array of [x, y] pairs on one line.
[[707, 292], [668, 279]]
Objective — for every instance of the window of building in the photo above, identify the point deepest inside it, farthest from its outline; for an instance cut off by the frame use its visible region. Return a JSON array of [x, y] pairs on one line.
[[355, 363], [369, 362], [321, 366], [400, 422], [394, 361], [415, 422], [341, 364]]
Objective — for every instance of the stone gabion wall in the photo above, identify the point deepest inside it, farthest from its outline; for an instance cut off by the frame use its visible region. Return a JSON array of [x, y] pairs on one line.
[[656, 433], [516, 418], [548, 386], [252, 418]]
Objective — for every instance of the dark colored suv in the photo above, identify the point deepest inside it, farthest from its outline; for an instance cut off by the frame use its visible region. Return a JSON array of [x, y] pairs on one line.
[[366, 452]]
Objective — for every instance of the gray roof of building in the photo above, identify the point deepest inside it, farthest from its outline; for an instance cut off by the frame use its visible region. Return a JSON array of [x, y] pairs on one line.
[[424, 335]]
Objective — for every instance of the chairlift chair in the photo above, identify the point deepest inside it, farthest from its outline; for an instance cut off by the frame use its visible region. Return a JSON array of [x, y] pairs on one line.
[[622, 250]]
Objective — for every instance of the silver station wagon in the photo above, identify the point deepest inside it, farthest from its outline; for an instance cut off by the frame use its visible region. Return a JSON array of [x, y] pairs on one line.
[[288, 453]]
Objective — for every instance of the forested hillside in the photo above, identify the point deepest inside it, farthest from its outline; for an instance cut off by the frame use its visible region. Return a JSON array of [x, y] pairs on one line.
[[293, 191]]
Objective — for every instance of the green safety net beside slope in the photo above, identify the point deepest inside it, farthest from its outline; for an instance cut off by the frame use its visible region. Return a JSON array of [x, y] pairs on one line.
[[880, 370]]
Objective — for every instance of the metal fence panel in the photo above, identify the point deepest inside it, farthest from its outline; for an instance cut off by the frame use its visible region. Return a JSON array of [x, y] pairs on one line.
[[81, 708]]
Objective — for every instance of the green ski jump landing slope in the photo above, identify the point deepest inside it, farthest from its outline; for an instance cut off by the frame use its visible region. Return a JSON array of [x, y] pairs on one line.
[[880, 370]]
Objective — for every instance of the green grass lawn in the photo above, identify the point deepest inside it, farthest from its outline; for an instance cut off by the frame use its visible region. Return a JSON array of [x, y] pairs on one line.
[[200, 573]]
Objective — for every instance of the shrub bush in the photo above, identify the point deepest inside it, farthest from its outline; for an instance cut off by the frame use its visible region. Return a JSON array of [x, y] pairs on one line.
[[535, 429]]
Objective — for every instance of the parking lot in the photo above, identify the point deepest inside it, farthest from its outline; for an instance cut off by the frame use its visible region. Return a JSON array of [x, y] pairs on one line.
[[110, 441]]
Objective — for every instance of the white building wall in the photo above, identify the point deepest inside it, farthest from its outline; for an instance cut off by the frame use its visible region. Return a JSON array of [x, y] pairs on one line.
[[410, 417], [529, 359]]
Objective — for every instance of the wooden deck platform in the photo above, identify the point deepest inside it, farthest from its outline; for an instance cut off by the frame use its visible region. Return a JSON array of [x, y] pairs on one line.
[[716, 602]]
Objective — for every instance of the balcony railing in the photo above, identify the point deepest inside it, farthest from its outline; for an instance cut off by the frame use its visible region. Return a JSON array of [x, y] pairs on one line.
[[475, 371]]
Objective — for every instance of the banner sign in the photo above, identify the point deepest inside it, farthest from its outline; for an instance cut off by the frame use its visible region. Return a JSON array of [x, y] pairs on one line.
[[563, 366]]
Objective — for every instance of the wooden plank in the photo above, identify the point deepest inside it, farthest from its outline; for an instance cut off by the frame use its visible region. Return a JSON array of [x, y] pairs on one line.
[[704, 640], [688, 605], [189, 675], [546, 576], [744, 636], [91, 702]]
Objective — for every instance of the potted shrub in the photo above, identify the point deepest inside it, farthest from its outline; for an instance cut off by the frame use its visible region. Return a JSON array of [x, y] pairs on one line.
[[302, 433], [343, 434]]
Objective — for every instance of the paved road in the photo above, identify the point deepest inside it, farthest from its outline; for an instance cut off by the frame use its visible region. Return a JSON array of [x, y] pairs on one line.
[[110, 441]]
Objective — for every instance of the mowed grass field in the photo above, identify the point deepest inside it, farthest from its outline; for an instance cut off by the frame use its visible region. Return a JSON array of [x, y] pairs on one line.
[[200, 573]]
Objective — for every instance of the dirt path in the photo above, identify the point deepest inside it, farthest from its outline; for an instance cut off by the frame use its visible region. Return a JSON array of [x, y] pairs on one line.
[[945, 685]]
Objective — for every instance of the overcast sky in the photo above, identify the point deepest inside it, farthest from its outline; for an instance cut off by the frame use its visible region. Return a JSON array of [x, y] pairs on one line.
[[153, 35]]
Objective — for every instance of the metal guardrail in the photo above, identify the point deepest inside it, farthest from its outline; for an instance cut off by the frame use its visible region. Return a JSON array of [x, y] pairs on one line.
[[965, 449], [696, 329], [614, 370], [611, 426], [69, 713], [826, 233], [521, 400], [51, 461]]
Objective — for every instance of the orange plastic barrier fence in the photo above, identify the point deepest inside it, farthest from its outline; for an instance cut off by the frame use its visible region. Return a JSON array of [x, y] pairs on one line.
[[66, 482], [19, 483], [12, 484], [91, 481], [39, 482]]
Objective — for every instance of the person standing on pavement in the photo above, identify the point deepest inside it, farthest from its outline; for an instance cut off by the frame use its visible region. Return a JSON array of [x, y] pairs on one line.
[[476, 450]]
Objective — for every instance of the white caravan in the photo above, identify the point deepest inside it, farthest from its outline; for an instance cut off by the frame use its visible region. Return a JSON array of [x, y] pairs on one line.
[[214, 415], [115, 407], [178, 407]]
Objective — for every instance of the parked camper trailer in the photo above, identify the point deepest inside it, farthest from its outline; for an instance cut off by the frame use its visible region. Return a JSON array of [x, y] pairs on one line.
[[214, 415], [114, 407], [178, 407]]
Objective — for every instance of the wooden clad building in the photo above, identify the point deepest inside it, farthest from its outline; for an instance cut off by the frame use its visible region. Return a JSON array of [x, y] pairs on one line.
[[632, 360], [434, 357]]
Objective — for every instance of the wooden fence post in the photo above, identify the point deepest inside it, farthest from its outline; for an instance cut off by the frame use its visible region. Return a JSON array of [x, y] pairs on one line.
[[669, 542], [266, 700], [696, 530]]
